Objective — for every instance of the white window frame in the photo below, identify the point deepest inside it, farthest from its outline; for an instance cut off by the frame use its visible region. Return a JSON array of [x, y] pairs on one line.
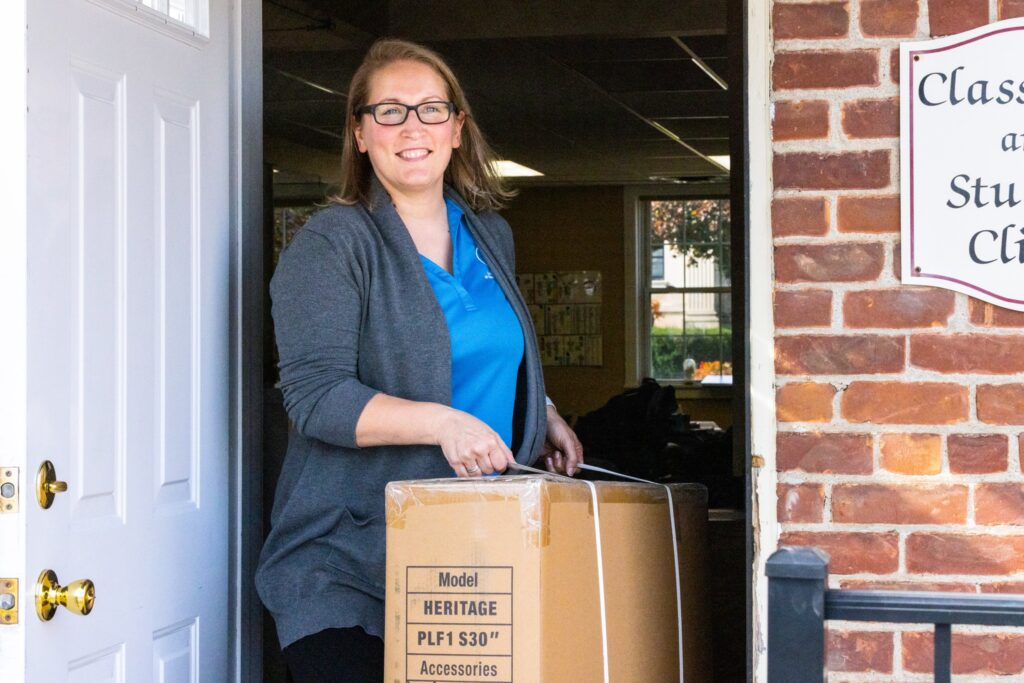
[[637, 309], [157, 17]]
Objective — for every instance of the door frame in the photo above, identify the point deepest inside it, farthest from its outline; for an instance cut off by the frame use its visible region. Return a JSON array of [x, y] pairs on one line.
[[761, 471], [247, 314], [248, 318]]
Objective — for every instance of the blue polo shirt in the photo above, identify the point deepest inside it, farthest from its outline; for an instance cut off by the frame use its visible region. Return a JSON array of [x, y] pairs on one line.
[[486, 337]]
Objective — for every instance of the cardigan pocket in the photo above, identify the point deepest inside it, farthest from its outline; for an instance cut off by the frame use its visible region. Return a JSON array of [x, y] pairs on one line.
[[357, 553]]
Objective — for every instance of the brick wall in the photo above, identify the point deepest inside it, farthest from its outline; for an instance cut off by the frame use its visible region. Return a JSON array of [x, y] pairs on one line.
[[900, 408]]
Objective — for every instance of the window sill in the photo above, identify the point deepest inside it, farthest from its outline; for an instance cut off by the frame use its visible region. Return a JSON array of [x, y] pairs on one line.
[[699, 391]]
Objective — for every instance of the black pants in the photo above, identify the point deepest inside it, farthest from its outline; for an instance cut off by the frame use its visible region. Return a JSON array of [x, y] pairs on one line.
[[336, 655]]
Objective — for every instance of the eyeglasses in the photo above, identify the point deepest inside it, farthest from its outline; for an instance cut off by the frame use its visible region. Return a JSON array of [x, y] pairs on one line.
[[395, 113]]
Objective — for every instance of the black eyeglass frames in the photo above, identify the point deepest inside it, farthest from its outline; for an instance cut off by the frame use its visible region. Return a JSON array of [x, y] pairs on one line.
[[395, 113]]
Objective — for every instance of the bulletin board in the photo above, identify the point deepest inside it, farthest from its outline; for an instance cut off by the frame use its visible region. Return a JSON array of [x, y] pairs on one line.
[[566, 310]]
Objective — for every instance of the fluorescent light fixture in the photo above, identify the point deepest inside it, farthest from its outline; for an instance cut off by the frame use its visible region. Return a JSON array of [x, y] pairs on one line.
[[722, 160], [510, 169]]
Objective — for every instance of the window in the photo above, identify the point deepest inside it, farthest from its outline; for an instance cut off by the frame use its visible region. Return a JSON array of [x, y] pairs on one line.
[[182, 11], [658, 261], [684, 303]]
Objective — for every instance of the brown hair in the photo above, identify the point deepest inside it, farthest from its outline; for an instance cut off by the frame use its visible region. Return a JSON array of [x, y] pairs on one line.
[[470, 170]]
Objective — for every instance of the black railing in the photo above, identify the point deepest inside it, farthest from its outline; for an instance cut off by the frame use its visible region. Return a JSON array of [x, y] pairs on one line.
[[799, 604]]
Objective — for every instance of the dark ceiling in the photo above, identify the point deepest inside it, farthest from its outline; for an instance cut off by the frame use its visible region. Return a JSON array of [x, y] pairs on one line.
[[598, 92]]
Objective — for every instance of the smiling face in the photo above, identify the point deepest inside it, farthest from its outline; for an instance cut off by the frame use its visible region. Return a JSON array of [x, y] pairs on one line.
[[409, 159]]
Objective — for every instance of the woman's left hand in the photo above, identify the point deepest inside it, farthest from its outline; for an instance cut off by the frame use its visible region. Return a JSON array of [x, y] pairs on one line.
[[562, 452]]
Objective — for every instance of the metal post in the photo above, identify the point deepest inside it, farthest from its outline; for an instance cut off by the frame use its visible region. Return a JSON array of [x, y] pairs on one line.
[[943, 653], [796, 615]]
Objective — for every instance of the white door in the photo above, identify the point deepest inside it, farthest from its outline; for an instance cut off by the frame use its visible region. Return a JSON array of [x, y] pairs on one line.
[[128, 337]]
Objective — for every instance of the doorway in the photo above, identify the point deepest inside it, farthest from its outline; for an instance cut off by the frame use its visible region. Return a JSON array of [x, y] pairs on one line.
[[618, 105]]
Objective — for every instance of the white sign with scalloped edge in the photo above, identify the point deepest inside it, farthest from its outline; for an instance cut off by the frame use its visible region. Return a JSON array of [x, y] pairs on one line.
[[962, 162]]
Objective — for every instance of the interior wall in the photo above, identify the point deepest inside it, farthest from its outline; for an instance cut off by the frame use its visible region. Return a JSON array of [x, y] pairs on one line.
[[577, 228]]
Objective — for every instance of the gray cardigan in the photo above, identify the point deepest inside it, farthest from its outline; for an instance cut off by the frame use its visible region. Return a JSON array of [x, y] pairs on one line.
[[354, 315]]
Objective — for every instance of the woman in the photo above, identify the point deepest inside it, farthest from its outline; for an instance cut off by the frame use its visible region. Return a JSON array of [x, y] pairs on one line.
[[406, 353]]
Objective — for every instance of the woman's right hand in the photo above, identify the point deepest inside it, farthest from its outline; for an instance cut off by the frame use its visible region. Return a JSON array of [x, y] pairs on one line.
[[470, 446]]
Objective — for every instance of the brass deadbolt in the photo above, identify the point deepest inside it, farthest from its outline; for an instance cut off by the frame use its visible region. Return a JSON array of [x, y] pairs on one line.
[[47, 485]]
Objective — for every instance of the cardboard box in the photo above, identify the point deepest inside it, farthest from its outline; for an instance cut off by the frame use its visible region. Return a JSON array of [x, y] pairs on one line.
[[496, 579]]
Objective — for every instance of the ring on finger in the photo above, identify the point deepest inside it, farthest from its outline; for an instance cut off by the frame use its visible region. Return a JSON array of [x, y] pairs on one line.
[[472, 469]]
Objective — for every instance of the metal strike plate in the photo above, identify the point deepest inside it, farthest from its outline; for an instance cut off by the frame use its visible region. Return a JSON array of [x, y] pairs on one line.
[[8, 602], [9, 494]]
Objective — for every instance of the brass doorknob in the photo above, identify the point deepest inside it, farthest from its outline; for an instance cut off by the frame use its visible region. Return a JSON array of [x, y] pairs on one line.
[[78, 596], [47, 484]]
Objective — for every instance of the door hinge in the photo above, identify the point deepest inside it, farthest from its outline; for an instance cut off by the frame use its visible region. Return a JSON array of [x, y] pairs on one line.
[[8, 602], [8, 490]]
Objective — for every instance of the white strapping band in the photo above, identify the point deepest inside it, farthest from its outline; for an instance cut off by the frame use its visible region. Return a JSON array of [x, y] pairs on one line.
[[600, 562]]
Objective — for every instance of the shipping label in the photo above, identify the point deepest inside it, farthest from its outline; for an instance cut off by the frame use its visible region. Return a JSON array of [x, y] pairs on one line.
[[459, 624]]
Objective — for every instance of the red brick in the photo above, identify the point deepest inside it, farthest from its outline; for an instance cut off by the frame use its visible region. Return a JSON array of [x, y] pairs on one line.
[[851, 553], [912, 453], [835, 262], [1003, 587], [859, 651], [825, 69], [999, 504], [942, 586], [986, 315], [799, 216], [879, 18], [825, 20], [894, 65], [869, 214], [838, 355], [978, 453], [806, 120], [838, 171], [975, 353], [871, 118], [800, 502], [1000, 654], [896, 308], [824, 452], [804, 402], [898, 504], [946, 17], [1001, 404], [905, 402], [944, 553], [1010, 9], [897, 262], [803, 308]]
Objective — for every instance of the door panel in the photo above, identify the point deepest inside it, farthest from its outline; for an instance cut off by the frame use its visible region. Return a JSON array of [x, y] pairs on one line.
[[176, 197], [106, 666], [175, 657], [98, 181], [128, 334]]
